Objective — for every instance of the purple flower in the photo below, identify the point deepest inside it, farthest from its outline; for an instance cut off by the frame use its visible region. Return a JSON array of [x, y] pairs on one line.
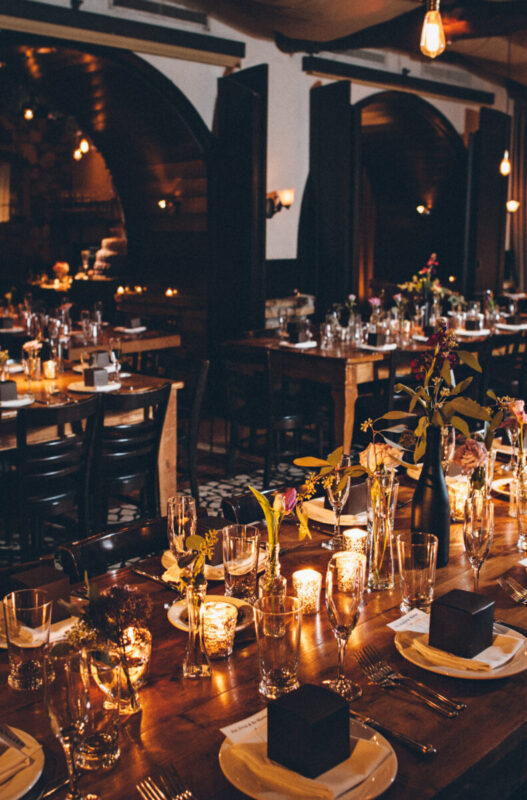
[[397, 298], [289, 499], [352, 297], [374, 301]]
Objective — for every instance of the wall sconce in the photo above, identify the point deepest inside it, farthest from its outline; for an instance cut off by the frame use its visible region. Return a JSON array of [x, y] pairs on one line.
[[276, 201], [433, 40], [512, 206], [423, 210], [29, 113], [169, 204], [505, 165]]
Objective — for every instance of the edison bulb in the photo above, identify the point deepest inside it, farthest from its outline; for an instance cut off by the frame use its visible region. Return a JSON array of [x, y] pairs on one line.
[[505, 166], [84, 145], [433, 40]]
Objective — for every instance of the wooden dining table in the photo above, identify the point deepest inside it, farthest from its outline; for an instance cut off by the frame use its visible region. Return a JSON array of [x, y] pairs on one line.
[[57, 391], [480, 754]]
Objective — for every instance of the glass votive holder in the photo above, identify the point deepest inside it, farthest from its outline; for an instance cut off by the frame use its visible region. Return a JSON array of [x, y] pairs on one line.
[[458, 491], [307, 584], [356, 540], [50, 369], [219, 626]]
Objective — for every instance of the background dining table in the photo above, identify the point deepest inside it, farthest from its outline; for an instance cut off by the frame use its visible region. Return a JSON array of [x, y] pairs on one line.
[[480, 754]]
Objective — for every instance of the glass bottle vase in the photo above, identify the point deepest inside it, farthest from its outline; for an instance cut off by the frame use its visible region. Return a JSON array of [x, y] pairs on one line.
[[196, 663], [381, 498], [430, 504], [272, 581], [519, 488]]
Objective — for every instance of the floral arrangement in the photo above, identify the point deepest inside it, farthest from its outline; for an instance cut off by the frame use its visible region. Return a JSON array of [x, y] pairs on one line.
[[351, 303], [32, 348], [192, 562], [514, 418], [457, 300], [4, 357], [401, 303], [425, 283], [471, 456]]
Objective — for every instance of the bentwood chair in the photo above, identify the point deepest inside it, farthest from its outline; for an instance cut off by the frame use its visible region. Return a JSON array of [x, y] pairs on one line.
[[125, 463], [53, 461], [98, 552]]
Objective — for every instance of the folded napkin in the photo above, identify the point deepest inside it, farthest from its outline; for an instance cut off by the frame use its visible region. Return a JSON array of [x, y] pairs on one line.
[[122, 329], [251, 755], [499, 653], [57, 631], [13, 761], [481, 332], [300, 345], [510, 327], [172, 571]]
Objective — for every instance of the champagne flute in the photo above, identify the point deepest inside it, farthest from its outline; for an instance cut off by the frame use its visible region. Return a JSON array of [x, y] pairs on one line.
[[344, 586], [337, 489], [181, 519], [478, 532], [115, 347], [66, 696]]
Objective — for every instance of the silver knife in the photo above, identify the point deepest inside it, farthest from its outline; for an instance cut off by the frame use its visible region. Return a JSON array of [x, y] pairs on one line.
[[412, 744], [11, 739]]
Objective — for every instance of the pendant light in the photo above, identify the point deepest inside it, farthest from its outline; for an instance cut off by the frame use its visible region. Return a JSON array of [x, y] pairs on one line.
[[433, 40], [505, 164]]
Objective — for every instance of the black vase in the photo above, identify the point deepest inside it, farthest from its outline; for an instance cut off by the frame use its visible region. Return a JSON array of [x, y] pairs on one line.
[[430, 504]]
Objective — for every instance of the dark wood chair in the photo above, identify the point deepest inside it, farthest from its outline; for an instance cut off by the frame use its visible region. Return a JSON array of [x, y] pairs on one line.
[[125, 463], [96, 553], [54, 456], [255, 401], [506, 372]]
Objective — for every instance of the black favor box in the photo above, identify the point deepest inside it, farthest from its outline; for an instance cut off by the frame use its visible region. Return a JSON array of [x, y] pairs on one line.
[[297, 332], [356, 502], [376, 339], [134, 322], [308, 730], [95, 376], [461, 623], [100, 358], [8, 390], [5, 323], [472, 324]]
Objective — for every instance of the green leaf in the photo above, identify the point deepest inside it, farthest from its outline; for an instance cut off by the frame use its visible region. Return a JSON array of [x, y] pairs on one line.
[[400, 387], [420, 449], [268, 511], [461, 386], [469, 408], [355, 471], [460, 424], [394, 415], [469, 359], [194, 542], [491, 394], [446, 373], [421, 427], [335, 457], [310, 461], [303, 527]]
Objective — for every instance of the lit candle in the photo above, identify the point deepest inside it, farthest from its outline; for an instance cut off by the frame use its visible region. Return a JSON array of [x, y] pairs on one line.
[[50, 369], [356, 540], [347, 565], [458, 491], [307, 584], [219, 626]]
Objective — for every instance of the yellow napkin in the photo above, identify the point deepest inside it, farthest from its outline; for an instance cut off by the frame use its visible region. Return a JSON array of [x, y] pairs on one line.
[[12, 761], [365, 758], [502, 650]]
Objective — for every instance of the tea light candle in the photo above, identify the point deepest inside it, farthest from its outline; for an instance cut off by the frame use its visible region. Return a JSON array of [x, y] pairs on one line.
[[219, 626], [347, 565], [50, 369], [356, 540], [458, 491], [306, 585]]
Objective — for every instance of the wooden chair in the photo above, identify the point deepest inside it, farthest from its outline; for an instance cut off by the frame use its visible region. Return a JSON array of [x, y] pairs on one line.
[[96, 553], [53, 461], [125, 462]]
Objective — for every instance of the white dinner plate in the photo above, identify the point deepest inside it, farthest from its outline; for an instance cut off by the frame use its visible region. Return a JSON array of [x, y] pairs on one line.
[[382, 348], [177, 613], [506, 327], [12, 330], [24, 780], [375, 784], [463, 332], [80, 368], [417, 337], [518, 662], [79, 386], [502, 486], [215, 572], [18, 402], [14, 366], [121, 329], [315, 510]]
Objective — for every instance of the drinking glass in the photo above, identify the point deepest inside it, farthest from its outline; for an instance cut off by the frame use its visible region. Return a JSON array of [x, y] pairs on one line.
[[338, 491], [116, 350], [278, 622], [478, 531], [98, 747], [344, 584], [240, 561], [85, 320], [448, 446], [181, 521], [417, 554], [66, 696], [28, 619]]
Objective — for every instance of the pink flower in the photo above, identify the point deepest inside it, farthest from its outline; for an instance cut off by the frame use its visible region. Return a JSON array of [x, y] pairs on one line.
[[397, 298], [352, 297], [284, 502], [379, 455], [374, 301], [470, 455]]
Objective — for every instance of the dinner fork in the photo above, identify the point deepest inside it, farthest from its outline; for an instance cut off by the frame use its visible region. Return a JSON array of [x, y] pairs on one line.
[[519, 588], [149, 790], [171, 780], [514, 594], [376, 676], [387, 671]]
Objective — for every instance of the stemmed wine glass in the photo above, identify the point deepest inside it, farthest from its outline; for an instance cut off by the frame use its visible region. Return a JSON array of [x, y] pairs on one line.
[[181, 520], [448, 446], [344, 587], [66, 695], [115, 348], [337, 489], [478, 532]]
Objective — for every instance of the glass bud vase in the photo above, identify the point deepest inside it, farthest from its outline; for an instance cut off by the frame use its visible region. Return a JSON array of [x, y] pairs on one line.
[[381, 500], [196, 663], [272, 581], [520, 489]]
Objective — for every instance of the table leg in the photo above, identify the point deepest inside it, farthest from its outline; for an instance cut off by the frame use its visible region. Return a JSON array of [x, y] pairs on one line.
[[350, 398], [167, 460]]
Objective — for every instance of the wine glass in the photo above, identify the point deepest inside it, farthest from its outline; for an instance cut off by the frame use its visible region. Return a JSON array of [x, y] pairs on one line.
[[66, 696], [182, 517], [344, 586], [115, 348], [478, 532], [448, 446], [85, 319], [337, 488]]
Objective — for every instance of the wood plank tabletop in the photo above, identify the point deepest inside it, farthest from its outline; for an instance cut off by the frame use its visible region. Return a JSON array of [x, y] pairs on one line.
[[481, 754]]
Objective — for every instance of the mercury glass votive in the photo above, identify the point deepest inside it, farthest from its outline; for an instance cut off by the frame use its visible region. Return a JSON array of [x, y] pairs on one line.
[[356, 540], [219, 626], [307, 584], [50, 369], [458, 491]]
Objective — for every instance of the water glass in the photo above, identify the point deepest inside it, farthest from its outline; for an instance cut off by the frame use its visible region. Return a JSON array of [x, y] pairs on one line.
[[240, 561], [28, 619], [98, 747], [278, 623], [181, 521], [417, 554]]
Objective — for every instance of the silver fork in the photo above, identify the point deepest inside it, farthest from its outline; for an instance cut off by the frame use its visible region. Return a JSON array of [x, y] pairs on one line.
[[387, 671], [513, 593], [376, 676], [522, 591], [171, 781], [149, 790]]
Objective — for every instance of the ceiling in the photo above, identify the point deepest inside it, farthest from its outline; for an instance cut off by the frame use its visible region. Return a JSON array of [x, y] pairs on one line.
[[487, 36]]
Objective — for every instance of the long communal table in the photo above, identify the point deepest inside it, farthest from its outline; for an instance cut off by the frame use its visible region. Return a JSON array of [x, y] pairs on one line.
[[481, 754]]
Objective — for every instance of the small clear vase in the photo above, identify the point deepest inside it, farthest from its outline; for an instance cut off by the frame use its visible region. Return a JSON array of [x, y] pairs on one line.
[[272, 581], [381, 505], [196, 663], [520, 489]]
